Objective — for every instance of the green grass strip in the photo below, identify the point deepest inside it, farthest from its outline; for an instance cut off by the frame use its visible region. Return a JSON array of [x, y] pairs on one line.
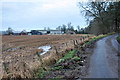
[[68, 55]]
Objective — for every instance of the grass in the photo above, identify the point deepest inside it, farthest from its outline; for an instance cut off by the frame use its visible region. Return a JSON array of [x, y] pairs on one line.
[[61, 67], [91, 40], [56, 79], [57, 68], [39, 73], [76, 58], [118, 38], [97, 38], [68, 55], [40, 58]]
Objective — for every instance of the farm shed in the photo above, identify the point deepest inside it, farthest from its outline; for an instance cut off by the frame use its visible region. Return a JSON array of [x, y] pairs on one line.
[[51, 32], [35, 32], [71, 32]]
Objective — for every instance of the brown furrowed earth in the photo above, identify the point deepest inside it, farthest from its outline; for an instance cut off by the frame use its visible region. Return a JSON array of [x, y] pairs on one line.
[[19, 52], [34, 40]]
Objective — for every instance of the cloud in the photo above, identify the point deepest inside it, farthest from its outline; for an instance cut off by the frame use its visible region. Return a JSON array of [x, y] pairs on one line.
[[44, 13], [48, 1], [54, 8]]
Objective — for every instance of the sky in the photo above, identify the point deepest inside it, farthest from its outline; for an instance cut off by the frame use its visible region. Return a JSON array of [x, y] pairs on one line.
[[44, 13]]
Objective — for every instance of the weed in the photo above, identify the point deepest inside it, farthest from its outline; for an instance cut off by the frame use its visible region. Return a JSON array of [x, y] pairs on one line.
[[76, 58], [118, 39], [68, 55], [6, 68], [55, 79], [57, 68], [60, 60], [38, 54], [39, 73]]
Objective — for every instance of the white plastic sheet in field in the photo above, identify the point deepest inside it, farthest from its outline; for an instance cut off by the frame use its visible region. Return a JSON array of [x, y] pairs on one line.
[[45, 49]]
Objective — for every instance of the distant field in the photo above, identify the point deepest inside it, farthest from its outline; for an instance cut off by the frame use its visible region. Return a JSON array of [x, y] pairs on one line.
[[35, 40], [18, 50]]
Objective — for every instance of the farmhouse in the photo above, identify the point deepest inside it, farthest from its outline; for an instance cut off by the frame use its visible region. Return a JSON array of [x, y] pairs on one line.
[[42, 32]]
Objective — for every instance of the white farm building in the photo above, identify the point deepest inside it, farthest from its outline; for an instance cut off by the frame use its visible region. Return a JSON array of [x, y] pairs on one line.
[[42, 32]]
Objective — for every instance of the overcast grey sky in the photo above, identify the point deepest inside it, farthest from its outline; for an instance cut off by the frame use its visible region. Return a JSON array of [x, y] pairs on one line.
[[37, 15]]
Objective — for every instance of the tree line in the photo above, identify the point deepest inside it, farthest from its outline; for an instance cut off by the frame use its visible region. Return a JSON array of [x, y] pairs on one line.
[[69, 27], [64, 28], [10, 31], [102, 17]]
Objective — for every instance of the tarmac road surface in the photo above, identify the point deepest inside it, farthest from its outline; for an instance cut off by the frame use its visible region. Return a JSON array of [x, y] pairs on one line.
[[99, 64]]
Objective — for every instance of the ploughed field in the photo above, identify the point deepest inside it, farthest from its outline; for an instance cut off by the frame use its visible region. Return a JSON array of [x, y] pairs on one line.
[[34, 40], [19, 52]]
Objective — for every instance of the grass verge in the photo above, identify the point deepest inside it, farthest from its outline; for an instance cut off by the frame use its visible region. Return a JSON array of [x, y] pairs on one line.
[[68, 55], [39, 73], [96, 38]]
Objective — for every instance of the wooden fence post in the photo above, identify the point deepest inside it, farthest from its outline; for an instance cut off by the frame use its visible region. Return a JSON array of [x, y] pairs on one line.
[[66, 44], [74, 42], [56, 50]]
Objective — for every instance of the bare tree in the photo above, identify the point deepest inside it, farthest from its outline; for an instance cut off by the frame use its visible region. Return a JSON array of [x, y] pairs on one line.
[[104, 16], [58, 28], [23, 32], [48, 29], [64, 28], [70, 27], [44, 28], [78, 28], [10, 31]]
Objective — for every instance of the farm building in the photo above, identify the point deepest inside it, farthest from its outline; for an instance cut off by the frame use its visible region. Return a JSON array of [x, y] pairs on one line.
[[42, 32], [35, 32], [56, 32], [71, 32]]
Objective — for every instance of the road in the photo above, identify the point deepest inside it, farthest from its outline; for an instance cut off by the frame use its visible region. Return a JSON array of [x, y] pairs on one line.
[[104, 61]]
